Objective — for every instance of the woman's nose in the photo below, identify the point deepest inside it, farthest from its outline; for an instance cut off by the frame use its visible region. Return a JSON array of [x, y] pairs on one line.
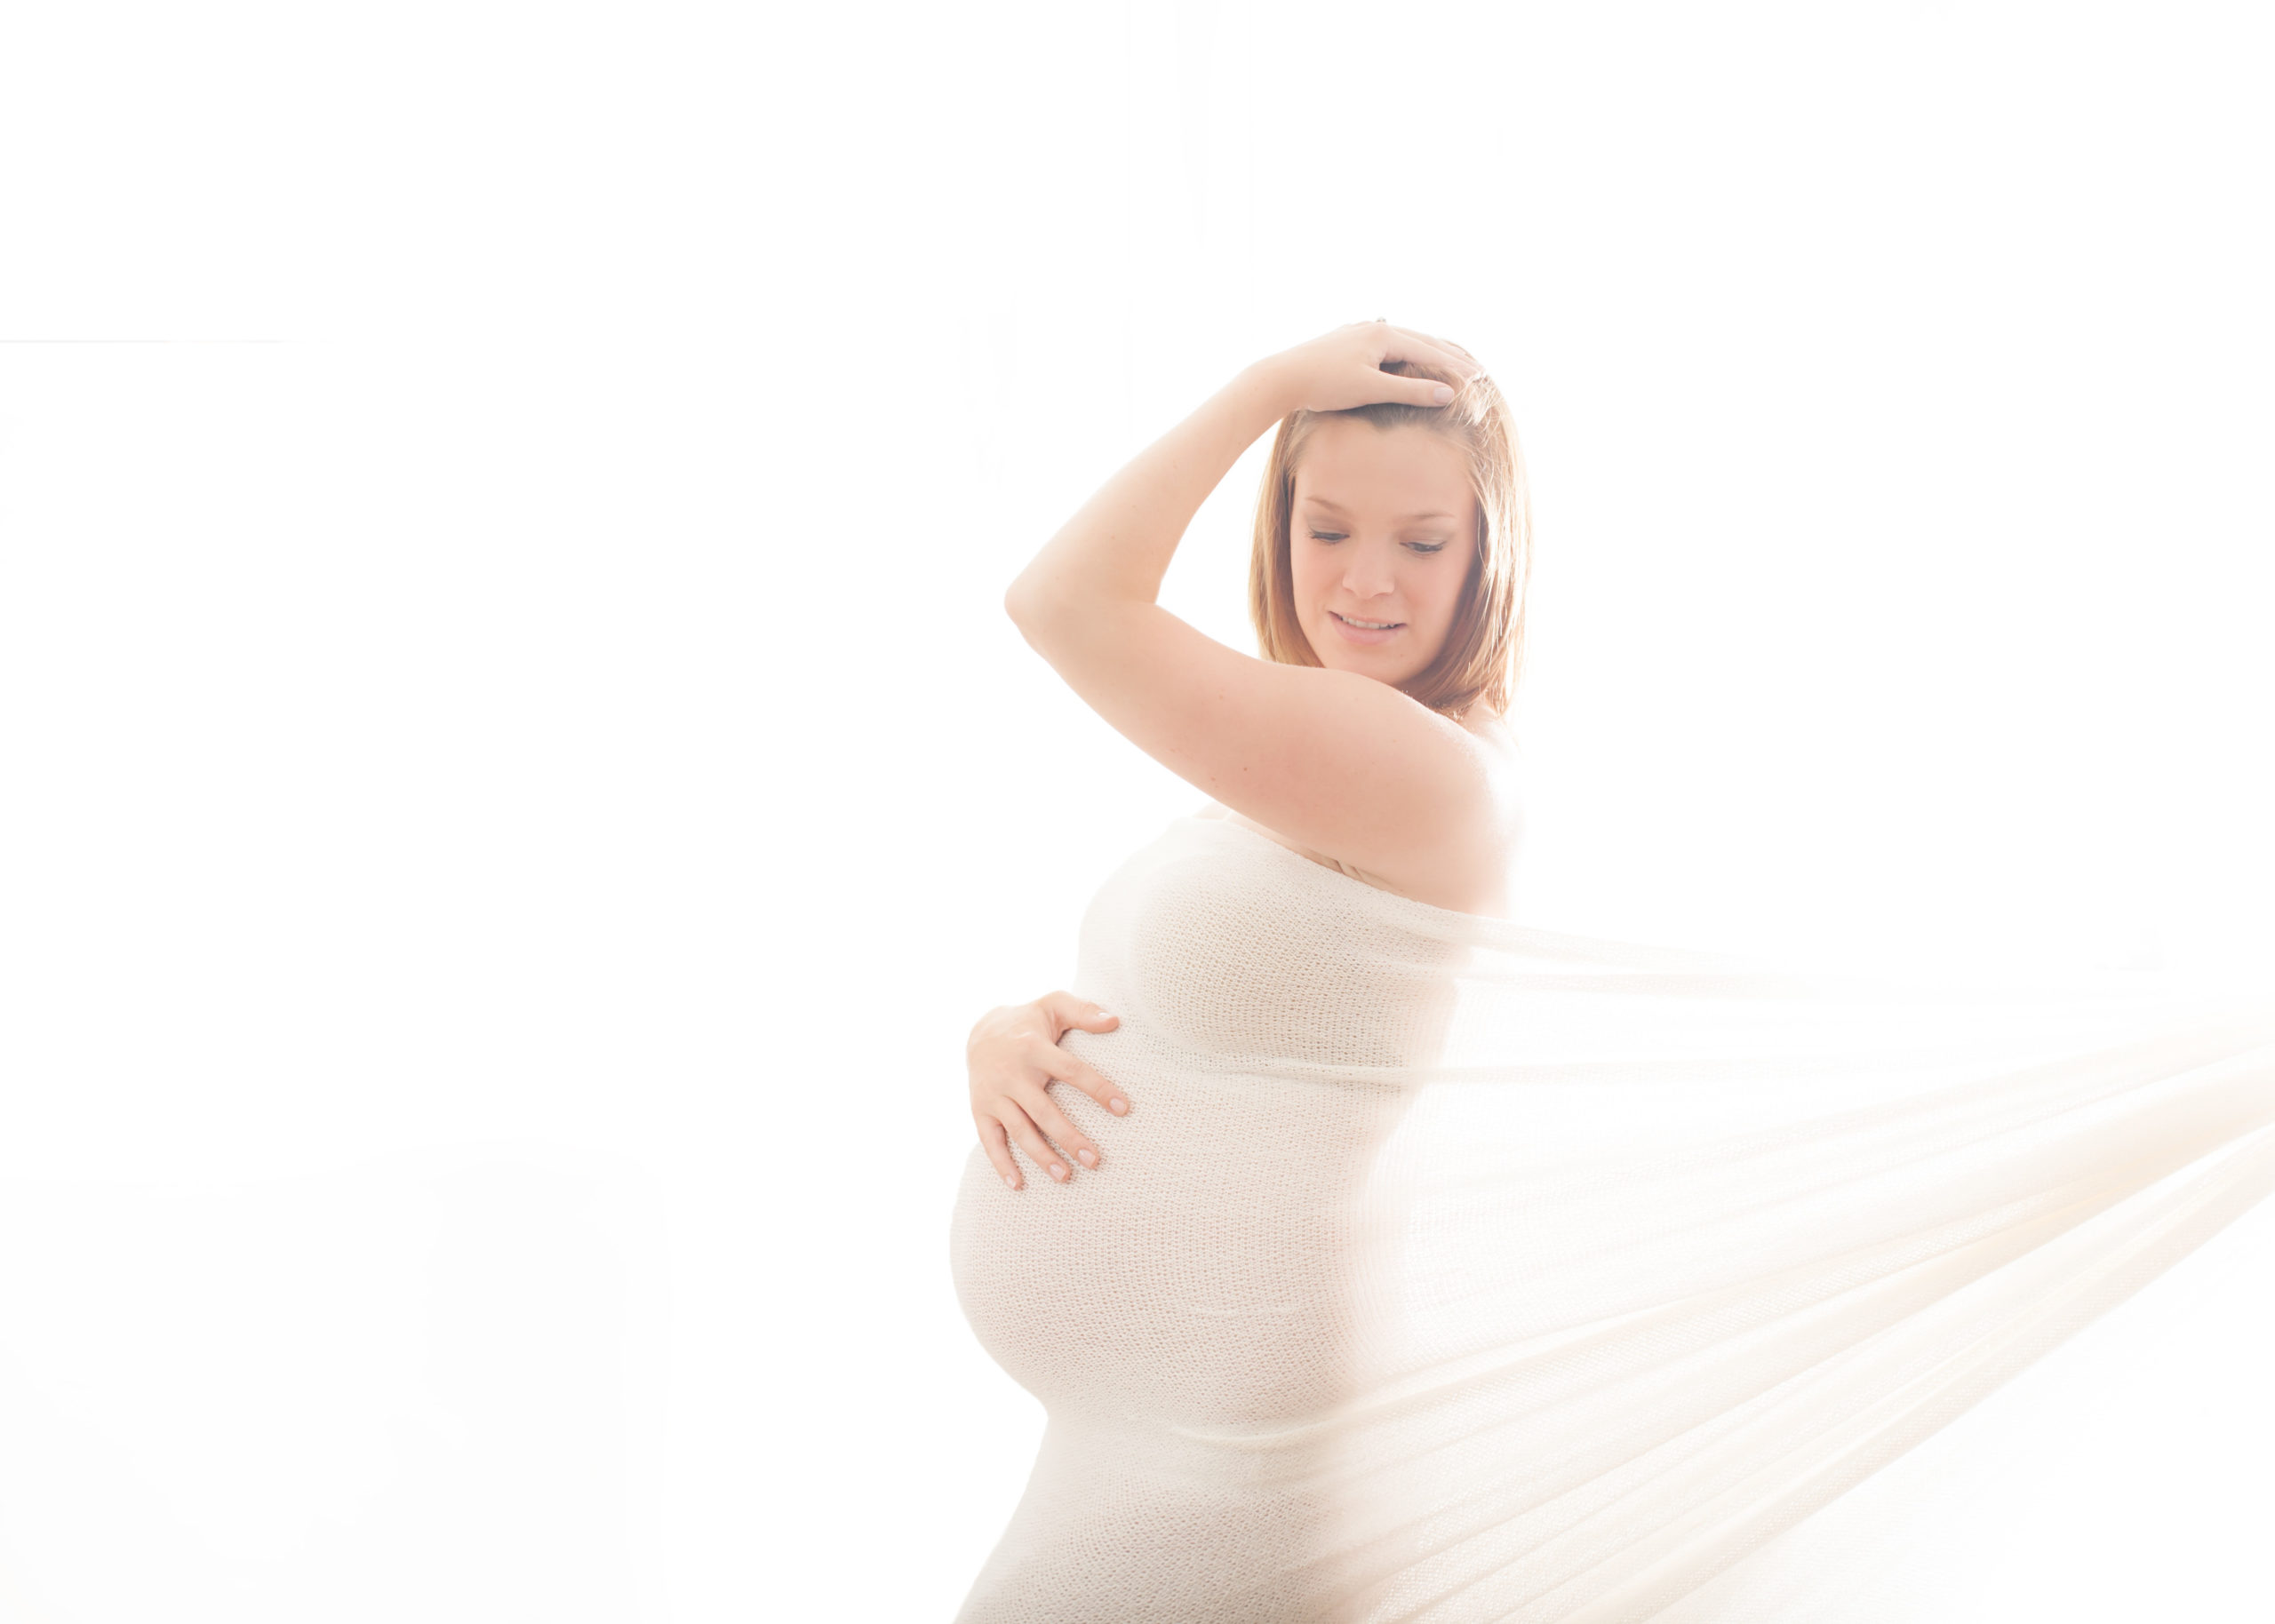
[[1369, 574]]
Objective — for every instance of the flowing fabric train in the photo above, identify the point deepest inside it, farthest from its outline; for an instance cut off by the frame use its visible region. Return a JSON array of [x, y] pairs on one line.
[[1449, 1270]]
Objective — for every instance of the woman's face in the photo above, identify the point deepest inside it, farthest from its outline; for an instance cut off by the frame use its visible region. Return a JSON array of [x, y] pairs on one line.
[[1380, 540]]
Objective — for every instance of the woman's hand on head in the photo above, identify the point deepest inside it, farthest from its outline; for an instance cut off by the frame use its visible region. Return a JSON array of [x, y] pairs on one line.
[[1340, 370], [1014, 1057]]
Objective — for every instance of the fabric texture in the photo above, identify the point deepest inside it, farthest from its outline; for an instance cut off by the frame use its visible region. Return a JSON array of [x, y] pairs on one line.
[[1446, 1269]]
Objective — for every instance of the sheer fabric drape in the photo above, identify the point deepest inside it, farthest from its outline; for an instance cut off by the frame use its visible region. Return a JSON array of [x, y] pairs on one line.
[[1447, 1270]]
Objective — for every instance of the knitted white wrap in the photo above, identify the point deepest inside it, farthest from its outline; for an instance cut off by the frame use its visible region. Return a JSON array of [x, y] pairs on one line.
[[1450, 1271]]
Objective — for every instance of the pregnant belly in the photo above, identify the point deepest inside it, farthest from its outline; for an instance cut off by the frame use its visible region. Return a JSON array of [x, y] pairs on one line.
[[1205, 1274]]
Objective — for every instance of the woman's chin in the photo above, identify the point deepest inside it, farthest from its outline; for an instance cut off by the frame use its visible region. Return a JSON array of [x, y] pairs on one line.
[[1384, 665]]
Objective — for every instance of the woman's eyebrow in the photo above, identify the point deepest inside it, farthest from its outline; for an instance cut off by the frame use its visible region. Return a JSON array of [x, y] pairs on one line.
[[1335, 507]]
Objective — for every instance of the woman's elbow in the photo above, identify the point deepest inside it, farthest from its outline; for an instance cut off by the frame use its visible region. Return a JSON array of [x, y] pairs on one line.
[[1028, 602]]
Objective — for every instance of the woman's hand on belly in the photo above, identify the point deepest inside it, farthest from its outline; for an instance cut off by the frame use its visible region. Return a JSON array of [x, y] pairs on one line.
[[1014, 1057]]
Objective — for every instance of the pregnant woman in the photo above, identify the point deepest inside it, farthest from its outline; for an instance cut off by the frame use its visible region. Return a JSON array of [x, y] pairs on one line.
[[1376, 1258]]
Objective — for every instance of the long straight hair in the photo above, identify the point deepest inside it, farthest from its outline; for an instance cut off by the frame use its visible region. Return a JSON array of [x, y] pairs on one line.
[[1485, 645]]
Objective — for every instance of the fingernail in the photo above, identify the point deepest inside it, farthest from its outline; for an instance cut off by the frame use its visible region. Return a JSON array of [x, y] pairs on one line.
[[1058, 1172], [1013, 1182], [1119, 1106], [1090, 1158], [1442, 394]]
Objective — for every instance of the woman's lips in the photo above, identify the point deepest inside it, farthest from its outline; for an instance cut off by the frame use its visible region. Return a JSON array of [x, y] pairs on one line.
[[1365, 634]]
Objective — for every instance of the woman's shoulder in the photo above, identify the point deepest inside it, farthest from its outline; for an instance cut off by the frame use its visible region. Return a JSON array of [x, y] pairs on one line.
[[1474, 880], [1503, 831], [1490, 729], [1497, 742]]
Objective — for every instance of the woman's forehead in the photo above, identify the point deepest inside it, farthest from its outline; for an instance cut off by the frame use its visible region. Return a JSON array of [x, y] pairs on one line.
[[1352, 467]]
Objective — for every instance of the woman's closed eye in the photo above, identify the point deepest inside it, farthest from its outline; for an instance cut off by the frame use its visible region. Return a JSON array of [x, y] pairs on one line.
[[1424, 547]]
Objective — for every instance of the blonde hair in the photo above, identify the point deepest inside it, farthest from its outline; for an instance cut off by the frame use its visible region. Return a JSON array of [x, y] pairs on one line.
[[1485, 645]]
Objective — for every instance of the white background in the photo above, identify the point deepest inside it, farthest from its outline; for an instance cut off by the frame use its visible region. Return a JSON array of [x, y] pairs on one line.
[[515, 781]]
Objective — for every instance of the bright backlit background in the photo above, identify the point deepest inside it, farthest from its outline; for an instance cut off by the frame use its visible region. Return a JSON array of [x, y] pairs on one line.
[[515, 781]]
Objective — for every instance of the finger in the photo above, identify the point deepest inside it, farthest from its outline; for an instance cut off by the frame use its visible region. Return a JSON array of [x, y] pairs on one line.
[[1055, 1122], [1443, 360], [1069, 1011], [999, 1151], [1057, 1065], [1038, 1149], [1439, 352], [1063, 1068], [1417, 391]]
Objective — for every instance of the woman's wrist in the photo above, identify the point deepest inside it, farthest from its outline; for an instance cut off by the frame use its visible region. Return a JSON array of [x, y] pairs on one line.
[[1268, 388]]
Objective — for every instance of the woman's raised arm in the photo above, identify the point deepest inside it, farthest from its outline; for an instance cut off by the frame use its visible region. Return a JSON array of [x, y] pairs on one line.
[[1334, 760]]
